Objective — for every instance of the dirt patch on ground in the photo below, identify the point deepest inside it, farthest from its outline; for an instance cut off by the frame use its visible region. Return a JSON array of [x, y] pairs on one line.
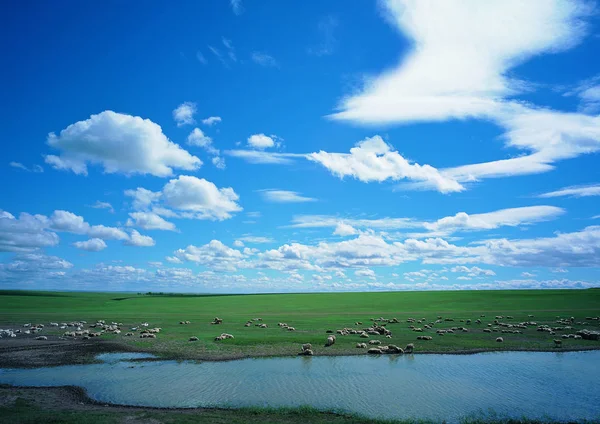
[[31, 353]]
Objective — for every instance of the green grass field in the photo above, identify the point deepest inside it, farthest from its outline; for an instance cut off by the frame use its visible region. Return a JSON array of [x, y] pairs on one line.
[[311, 315]]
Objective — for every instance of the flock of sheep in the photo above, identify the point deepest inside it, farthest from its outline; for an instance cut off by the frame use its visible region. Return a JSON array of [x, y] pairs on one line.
[[377, 328]]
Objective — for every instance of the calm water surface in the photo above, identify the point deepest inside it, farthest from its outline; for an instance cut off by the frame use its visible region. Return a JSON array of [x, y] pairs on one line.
[[560, 386]]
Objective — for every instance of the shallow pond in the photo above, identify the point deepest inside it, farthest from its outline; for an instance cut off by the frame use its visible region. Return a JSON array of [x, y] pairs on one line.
[[560, 386]]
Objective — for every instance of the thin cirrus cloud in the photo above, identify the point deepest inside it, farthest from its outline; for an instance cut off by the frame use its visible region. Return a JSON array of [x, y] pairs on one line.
[[284, 196], [34, 168], [264, 59], [121, 144], [461, 221], [575, 191]]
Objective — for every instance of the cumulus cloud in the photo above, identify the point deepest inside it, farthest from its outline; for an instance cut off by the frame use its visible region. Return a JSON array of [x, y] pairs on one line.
[[284, 196], [218, 162], [142, 198], [372, 159], [201, 197], [366, 273], [136, 239], [121, 144], [184, 114], [61, 220], [575, 191], [343, 229], [211, 120], [91, 245], [149, 221], [199, 139], [25, 233], [214, 255], [261, 141], [473, 271]]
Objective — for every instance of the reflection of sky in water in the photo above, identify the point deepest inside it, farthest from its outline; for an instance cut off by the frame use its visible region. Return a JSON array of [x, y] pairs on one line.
[[533, 384]]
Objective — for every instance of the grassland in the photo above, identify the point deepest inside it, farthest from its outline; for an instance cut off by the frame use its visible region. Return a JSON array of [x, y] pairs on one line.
[[310, 314]]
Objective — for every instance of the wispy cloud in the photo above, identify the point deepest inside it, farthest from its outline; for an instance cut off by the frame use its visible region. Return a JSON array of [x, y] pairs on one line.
[[201, 58], [284, 196], [34, 168], [575, 191], [103, 205], [236, 7], [326, 29], [264, 59]]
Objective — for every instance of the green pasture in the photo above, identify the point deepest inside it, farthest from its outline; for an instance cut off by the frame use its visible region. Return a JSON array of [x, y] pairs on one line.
[[311, 315]]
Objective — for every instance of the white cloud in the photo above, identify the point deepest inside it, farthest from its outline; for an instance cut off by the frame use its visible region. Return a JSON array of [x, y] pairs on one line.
[[213, 255], [238, 243], [120, 143], [137, 239], [366, 273], [343, 229], [219, 162], [264, 59], [173, 260], [284, 196], [142, 198], [201, 197], [326, 29], [486, 221], [319, 221], [91, 245], [103, 205], [527, 275], [199, 139], [372, 159], [475, 44], [575, 191], [149, 221], [588, 92], [260, 141], [559, 270], [211, 120], [34, 168], [473, 271], [260, 157], [201, 58], [67, 221], [255, 239], [237, 7], [184, 114], [26, 233]]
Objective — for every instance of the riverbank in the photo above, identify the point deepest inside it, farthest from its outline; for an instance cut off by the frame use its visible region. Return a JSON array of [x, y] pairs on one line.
[[70, 405], [30, 353]]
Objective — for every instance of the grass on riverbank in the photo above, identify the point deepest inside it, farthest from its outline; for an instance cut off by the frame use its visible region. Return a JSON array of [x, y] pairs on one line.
[[26, 412], [311, 315]]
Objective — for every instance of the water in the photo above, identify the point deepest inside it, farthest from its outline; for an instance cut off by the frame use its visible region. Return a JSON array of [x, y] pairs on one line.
[[559, 386]]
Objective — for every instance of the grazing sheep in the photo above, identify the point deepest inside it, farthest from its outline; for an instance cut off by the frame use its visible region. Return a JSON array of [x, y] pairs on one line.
[[499, 339], [557, 343], [409, 348], [393, 349], [374, 342], [41, 338], [364, 335], [330, 341], [306, 346], [329, 331], [193, 339], [291, 329], [307, 352], [248, 324], [424, 338], [129, 334], [375, 351], [361, 345], [263, 326], [217, 320], [388, 336]]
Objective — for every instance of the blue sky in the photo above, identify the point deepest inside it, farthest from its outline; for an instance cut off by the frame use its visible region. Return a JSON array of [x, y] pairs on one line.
[[300, 146]]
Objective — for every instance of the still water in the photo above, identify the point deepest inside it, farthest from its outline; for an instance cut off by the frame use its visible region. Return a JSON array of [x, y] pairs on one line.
[[560, 386]]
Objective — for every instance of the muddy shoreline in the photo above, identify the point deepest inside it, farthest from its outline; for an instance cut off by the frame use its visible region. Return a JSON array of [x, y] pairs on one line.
[[30, 353]]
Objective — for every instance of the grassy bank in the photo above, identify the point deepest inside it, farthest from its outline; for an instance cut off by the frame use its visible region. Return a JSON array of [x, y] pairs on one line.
[[311, 315], [67, 405]]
